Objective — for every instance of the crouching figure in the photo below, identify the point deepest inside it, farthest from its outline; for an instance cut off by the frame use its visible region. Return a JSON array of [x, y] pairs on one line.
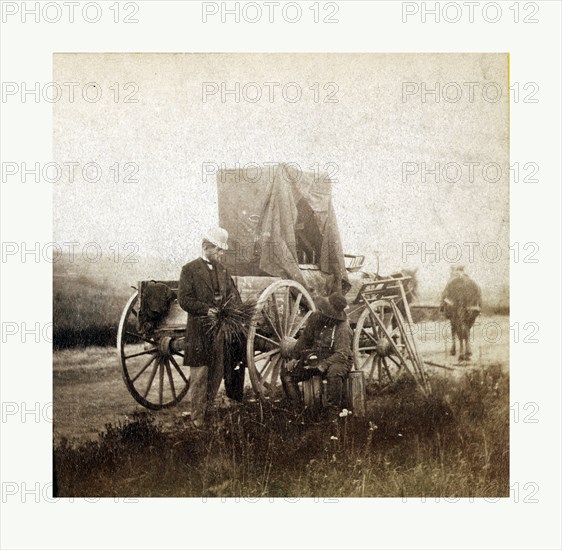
[[324, 347]]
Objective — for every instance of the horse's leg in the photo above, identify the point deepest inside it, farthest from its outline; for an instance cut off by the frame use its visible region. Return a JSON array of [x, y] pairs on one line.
[[463, 341], [453, 334], [468, 350]]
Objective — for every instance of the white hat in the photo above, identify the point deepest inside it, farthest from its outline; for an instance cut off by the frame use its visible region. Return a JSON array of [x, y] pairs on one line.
[[217, 236]]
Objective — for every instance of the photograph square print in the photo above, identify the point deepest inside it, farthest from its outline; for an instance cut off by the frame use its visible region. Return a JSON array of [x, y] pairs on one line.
[[282, 275]]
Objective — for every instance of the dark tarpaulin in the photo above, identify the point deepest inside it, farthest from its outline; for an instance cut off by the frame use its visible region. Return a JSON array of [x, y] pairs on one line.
[[298, 214]]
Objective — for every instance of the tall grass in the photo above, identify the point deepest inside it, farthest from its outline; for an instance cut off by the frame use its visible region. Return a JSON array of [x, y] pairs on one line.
[[454, 444]]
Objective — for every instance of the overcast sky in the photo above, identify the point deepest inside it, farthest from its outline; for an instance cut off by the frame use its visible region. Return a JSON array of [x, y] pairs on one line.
[[352, 118]]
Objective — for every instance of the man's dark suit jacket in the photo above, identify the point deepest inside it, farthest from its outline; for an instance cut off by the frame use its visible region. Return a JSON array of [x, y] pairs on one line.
[[196, 295]]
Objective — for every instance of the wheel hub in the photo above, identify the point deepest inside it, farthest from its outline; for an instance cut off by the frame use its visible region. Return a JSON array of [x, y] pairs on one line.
[[286, 346], [383, 347], [164, 346]]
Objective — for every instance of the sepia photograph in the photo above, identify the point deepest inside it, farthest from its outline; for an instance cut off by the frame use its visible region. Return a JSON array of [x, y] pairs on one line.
[[282, 275]]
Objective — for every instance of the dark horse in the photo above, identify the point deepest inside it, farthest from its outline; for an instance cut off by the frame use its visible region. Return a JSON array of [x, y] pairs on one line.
[[461, 301]]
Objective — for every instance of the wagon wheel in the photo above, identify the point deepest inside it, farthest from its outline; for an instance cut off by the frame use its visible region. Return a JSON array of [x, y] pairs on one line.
[[281, 313], [382, 361], [152, 369]]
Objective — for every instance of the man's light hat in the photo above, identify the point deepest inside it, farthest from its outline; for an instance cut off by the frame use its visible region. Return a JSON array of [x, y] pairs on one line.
[[217, 236]]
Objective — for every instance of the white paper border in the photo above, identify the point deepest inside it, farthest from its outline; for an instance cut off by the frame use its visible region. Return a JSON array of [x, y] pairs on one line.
[[535, 295]]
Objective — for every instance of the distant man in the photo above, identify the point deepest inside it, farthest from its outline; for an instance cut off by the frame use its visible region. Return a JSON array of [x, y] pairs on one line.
[[204, 285], [461, 302], [327, 336]]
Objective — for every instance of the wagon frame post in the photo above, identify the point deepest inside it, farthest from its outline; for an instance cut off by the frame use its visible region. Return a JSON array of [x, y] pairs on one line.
[[419, 364]]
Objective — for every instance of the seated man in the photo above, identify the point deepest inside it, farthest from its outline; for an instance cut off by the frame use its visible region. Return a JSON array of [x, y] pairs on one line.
[[327, 337]]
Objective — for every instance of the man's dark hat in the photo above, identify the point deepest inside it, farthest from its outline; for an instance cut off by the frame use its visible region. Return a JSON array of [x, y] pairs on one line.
[[333, 306]]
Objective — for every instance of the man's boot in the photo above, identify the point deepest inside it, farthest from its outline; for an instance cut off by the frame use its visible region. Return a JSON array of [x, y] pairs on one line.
[[335, 392], [291, 387]]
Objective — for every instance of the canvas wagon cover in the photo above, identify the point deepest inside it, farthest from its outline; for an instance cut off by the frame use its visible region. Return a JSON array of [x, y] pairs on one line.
[[277, 215]]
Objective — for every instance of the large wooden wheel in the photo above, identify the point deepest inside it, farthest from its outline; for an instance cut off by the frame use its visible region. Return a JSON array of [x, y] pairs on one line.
[[385, 348], [152, 369], [378, 346], [281, 313]]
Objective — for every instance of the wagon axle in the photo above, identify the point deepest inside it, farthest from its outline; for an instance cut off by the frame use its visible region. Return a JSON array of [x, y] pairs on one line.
[[169, 345]]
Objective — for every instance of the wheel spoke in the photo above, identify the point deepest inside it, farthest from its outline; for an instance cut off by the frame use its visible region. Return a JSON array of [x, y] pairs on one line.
[[389, 326], [151, 379], [267, 369], [161, 393], [265, 354], [275, 373], [276, 344], [373, 368], [286, 312], [177, 367], [296, 307], [171, 380], [140, 337], [369, 335], [146, 352], [386, 369], [178, 353], [369, 357], [271, 323], [300, 324], [379, 370], [134, 312], [277, 315], [399, 365], [151, 360]]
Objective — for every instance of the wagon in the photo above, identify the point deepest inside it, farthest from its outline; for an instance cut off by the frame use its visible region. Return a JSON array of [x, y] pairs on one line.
[[284, 251]]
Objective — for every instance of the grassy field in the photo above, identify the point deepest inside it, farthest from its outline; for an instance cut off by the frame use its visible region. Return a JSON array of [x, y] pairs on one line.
[[454, 444]]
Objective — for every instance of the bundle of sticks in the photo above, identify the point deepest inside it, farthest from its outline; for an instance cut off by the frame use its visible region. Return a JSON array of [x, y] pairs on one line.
[[231, 322]]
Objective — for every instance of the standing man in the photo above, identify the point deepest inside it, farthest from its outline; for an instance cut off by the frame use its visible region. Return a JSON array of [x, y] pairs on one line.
[[326, 337], [204, 285]]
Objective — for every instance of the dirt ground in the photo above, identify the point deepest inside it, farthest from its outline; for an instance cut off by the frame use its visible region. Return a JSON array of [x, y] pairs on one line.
[[89, 392]]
